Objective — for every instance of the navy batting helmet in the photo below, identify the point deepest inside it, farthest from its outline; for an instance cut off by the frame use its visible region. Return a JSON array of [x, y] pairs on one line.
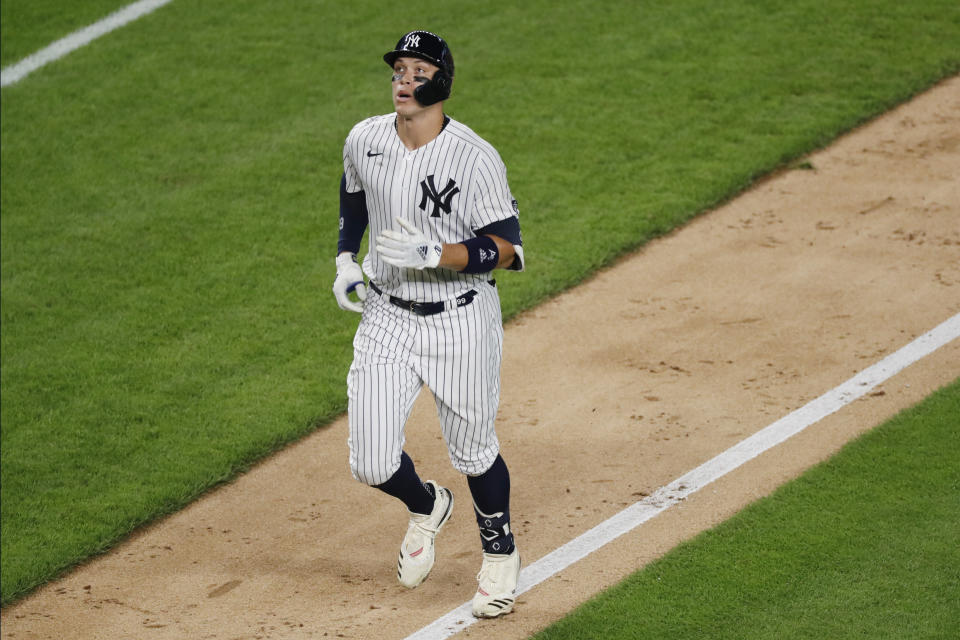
[[432, 48]]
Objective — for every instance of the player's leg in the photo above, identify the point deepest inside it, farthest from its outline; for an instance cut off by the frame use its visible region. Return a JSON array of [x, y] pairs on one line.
[[381, 389], [465, 379]]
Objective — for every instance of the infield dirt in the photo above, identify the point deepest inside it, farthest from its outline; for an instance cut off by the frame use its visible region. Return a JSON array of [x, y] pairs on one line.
[[610, 391]]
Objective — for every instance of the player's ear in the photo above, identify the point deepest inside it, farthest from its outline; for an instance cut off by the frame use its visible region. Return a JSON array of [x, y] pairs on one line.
[[436, 89]]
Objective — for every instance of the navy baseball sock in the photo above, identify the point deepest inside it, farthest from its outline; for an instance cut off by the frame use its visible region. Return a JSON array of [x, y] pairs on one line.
[[491, 504], [405, 484]]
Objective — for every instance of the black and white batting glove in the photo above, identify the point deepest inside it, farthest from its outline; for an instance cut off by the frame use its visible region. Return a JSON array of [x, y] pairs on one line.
[[408, 248], [349, 279]]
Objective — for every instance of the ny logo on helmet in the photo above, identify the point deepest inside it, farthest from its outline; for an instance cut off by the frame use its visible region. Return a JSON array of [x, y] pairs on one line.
[[441, 199], [413, 41]]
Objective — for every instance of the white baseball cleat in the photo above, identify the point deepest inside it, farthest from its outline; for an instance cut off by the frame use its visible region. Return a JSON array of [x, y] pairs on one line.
[[417, 552], [498, 582]]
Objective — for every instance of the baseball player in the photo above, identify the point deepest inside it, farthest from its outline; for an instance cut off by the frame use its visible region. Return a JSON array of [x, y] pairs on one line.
[[441, 217]]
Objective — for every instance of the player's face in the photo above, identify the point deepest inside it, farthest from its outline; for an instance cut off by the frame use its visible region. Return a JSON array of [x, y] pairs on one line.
[[408, 74]]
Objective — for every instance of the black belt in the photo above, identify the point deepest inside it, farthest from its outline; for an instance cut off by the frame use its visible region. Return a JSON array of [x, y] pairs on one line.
[[426, 308]]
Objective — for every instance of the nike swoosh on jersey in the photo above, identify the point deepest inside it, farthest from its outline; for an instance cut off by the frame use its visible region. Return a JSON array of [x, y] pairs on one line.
[[371, 154]]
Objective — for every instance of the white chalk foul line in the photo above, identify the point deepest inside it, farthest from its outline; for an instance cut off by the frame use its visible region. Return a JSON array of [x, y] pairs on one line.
[[19, 70], [633, 516]]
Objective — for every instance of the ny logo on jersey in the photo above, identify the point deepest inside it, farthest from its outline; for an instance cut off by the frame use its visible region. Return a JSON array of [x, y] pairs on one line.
[[441, 199], [412, 42]]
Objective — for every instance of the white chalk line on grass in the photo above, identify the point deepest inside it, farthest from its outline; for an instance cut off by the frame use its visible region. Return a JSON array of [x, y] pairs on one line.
[[19, 70], [633, 516]]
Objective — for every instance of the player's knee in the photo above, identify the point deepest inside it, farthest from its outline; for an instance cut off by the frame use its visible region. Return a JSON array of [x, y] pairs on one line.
[[365, 475], [474, 465], [373, 476]]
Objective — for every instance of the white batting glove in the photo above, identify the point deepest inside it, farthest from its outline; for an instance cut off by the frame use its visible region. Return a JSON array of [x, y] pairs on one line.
[[408, 248], [349, 279]]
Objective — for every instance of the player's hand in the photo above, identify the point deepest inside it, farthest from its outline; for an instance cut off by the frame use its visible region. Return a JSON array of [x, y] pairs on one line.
[[349, 279], [408, 248]]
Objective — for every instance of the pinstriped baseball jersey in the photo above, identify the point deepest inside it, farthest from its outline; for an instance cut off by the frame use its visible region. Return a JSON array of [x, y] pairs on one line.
[[448, 188]]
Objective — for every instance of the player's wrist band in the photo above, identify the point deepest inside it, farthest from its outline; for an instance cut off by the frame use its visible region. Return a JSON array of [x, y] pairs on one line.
[[482, 255]]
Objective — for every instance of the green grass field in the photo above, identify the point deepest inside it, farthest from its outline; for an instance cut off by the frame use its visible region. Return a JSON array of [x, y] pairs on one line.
[[169, 204], [861, 546]]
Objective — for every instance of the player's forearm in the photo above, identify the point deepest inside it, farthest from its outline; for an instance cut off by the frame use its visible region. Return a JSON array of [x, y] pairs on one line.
[[456, 256]]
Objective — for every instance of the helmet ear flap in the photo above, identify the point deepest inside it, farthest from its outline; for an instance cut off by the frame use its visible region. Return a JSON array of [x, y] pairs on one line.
[[434, 90]]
